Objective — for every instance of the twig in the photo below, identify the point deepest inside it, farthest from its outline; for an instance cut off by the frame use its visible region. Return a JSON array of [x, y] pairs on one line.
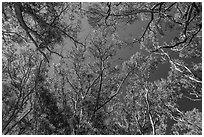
[[193, 99], [99, 90], [86, 93], [152, 18], [54, 52], [116, 93]]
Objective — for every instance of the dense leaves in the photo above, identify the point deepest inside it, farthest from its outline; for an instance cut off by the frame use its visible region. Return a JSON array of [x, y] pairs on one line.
[[57, 79]]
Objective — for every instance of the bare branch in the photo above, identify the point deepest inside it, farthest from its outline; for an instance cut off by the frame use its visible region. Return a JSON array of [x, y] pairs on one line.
[[18, 11], [149, 113], [10, 32], [99, 90], [24, 115], [152, 18], [117, 92], [93, 82], [180, 118], [73, 87], [54, 52], [193, 99]]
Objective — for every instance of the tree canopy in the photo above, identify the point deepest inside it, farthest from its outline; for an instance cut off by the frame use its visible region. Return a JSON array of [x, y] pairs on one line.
[[59, 79]]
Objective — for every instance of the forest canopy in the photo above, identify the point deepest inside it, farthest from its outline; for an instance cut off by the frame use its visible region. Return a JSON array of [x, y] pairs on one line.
[[62, 72]]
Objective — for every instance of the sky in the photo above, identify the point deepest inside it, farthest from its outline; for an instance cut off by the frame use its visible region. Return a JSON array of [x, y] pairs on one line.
[[134, 31], [128, 33]]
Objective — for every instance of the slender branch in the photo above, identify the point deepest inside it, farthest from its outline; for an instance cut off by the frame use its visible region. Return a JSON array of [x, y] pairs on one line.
[[181, 42], [54, 52], [18, 121], [99, 90], [189, 71], [72, 86], [152, 18], [134, 13], [19, 104], [140, 126], [170, 6], [56, 17], [193, 99], [65, 33], [147, 27], [182, 117], [116, 93], [108, 12], [10, 32], [16, 106], [86, 93], [19, 16], [149, 113], [27, 73], [177, 6], [193, 35], [176, 68]]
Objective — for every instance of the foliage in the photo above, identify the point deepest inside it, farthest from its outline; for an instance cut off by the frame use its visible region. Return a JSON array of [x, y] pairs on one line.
[[85, 93]]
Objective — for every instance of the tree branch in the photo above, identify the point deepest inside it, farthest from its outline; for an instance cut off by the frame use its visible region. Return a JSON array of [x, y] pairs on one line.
[[54, 52], [182, 116], [18, 11], [116, 93], [86, 93], [149, 113], [152, 18], [99, 90], [18, 121]]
